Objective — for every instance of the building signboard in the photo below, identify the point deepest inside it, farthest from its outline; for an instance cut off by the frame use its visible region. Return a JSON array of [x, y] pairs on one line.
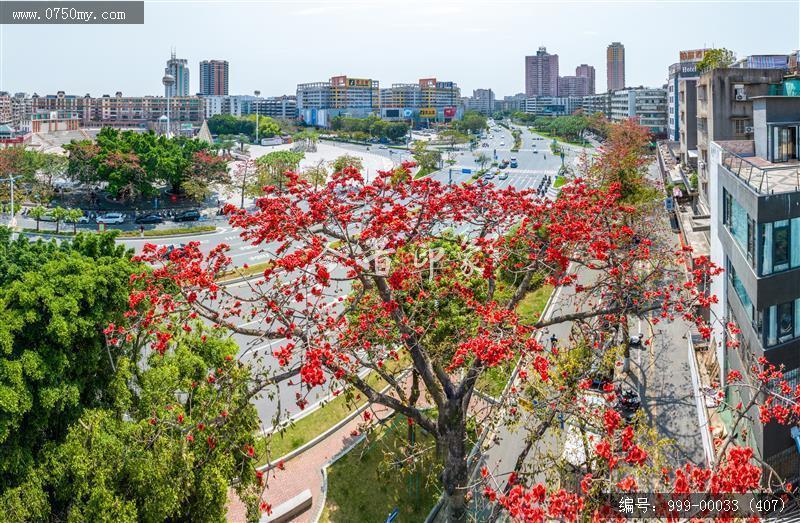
[[427, 112]]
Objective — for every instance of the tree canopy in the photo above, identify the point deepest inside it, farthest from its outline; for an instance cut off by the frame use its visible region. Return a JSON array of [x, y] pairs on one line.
[[137, 164], [715, 59]]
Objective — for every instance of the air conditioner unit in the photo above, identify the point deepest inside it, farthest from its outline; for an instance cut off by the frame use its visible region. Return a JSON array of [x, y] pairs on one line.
[[739, 93], [749, 130], [741, 97]]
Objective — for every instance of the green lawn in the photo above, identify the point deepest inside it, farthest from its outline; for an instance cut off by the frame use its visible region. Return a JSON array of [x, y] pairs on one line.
[[299, 433], [365, 485], [424, 172], [559, 182], [168, 232]]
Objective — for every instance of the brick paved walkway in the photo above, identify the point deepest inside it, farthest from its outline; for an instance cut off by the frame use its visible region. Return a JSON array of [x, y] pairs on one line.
[[303, 472]]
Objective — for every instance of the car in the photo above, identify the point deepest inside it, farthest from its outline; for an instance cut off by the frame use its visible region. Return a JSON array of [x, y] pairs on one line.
[[513, 162], [148, 218], [187, 216], [488, 176], [111, 218], [535, 151], [502, 144], [382, 147], [503, 176], [83, 219], [172, 248]]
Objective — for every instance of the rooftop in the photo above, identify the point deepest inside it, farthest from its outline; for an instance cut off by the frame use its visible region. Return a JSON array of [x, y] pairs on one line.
[[761, 175]]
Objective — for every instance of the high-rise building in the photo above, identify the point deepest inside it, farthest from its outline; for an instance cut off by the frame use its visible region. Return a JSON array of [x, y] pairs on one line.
[[541, 74], [615, 66], [214, 78], [755, 237], [179, 69], [573, 86], [588, 72]]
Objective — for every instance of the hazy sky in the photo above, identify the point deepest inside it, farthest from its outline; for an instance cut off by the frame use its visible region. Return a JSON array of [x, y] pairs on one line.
[[273, 45]]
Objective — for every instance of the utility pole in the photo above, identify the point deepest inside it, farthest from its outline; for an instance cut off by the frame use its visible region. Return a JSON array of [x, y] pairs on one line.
[[12, 222], [257, 93]]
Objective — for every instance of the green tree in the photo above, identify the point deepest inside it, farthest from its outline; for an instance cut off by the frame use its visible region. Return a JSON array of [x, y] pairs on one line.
[[347, 160], [72, 216], [271, 169], [59, 214], [471, 122], [316, 174], [37, 213], [715, 59], [427, 159]]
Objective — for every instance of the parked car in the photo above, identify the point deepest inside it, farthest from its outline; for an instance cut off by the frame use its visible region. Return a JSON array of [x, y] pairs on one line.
[[111, 218], [187, 216], [503, 176], [513, 162], [148, 218]]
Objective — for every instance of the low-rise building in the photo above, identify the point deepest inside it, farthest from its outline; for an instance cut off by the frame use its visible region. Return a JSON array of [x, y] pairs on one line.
[[283, 107], [647, 105], [754, 199], [725, 110], [553, 105], [597, 103]]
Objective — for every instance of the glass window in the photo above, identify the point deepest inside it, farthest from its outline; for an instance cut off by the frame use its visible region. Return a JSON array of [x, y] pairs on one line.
[[780, 245], [785, 321]]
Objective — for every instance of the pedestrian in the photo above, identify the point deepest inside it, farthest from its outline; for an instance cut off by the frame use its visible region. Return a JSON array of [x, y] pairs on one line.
[[141, 231]]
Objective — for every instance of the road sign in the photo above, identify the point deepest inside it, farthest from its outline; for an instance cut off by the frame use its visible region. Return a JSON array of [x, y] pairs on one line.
[[466, 171]]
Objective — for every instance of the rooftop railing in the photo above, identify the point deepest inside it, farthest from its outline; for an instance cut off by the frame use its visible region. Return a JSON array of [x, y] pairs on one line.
[[772, 179]]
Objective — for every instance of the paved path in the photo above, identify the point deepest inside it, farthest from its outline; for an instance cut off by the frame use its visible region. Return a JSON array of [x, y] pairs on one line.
[[304, 472]]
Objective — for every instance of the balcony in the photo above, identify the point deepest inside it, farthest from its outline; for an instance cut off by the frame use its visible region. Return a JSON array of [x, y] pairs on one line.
[[762, 175]]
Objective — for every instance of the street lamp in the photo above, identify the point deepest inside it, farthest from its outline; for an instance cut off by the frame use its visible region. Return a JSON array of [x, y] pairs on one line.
[[257, 93], [168, 82], [12, 222]]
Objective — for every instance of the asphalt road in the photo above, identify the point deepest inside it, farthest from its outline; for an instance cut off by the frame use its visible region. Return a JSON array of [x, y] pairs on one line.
[[532, 167]]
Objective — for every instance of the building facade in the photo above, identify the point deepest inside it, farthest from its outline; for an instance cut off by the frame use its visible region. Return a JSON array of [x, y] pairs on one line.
[[214, 78], [615, 66], [319, 102], [684, 70], [553, 105], [754, 200], [573, 86], [588, 72], [647, 105], [597, 103], [236, 105], [725, 110], [141, 112], [482, 101], [179, 69], [541, 74], [283, 107]]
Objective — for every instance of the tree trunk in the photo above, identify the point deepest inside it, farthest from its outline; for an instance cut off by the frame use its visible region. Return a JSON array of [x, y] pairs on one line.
[[451, 445], [37, 224]]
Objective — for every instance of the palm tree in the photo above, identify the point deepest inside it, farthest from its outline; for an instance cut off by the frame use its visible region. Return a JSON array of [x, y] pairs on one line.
[[73, 215], [37, 213], [59, 213]]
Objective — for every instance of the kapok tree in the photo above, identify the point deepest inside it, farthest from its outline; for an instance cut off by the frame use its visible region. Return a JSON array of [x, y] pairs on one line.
[[415, 280]]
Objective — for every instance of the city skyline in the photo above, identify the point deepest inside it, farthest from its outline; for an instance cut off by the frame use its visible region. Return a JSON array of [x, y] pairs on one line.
[[276, 66]]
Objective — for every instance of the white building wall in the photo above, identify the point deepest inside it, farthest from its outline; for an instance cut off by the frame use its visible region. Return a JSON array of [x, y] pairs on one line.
[[718, 284]]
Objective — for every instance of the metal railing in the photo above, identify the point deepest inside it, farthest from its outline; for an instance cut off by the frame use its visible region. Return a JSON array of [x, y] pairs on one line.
[[765, 180]]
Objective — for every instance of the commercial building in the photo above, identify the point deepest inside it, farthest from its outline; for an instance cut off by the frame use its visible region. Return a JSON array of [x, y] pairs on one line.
[[46, 122], [214, 78], [725, 110], [754, 198], [588, 72], [683, 71], [284, 107], [428, 101], [573, 86], [615, 66], [541, 74], [647, 105], [179, 69], [597, 103], [482, 101], [553, 105], [141, 112], [319, 102]]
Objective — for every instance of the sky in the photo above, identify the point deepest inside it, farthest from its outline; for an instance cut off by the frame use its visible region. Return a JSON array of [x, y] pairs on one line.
[[272, 45]]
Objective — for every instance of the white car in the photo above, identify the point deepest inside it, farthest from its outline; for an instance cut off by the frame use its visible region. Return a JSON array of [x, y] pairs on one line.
[[111, 218], [502, 144]]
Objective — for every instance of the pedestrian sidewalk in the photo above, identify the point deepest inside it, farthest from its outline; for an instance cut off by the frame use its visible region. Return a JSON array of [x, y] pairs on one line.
[[304, 471]]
